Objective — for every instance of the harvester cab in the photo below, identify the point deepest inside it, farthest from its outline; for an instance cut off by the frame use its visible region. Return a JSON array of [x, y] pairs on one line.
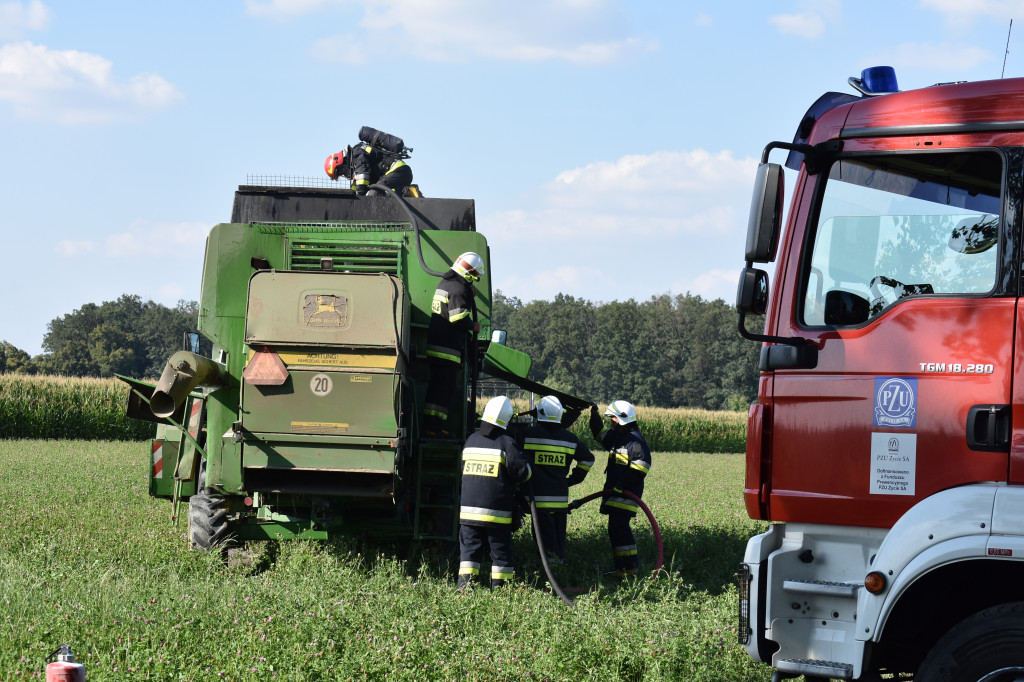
[[305, 420]]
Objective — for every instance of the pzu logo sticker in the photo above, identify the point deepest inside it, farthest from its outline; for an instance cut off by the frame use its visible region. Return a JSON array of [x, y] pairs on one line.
[[896, 402]]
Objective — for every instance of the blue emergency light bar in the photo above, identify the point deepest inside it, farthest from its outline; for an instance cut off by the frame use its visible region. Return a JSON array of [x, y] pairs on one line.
[[876, 80]]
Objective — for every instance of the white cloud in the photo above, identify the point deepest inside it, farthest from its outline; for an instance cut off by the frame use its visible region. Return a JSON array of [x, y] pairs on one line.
[[939, 57], [172, 291], [659, 193], [346, 49], [276, 9], [69, 86], [545, 283], [667, 221], [807, 25], [812, 21], [142, 240], [703, 20], [958, 11], [16, 18], [146, 239], [712, 284], [584, 32], [72, 249], [163, 260]]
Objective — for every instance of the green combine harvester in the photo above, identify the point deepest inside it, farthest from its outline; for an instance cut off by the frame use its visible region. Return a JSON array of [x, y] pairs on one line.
[[302, 417]]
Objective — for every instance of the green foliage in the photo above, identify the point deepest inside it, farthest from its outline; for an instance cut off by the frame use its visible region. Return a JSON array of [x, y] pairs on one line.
[[681, 351], [98, 565], [13, 360], [127, 336], [64, 407]]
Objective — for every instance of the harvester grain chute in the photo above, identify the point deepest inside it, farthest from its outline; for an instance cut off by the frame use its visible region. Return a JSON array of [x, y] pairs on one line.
[[184, 373]]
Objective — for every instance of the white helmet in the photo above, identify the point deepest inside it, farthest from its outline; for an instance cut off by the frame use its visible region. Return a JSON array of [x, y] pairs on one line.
[[549, 409], [622, 411], [498, 411], [470, 265]]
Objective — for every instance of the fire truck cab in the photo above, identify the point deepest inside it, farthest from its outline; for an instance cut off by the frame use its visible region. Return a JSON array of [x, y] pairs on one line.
[[887, 444]]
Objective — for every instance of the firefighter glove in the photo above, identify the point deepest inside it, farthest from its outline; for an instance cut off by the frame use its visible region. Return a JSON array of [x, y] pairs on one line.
[[596, 422]]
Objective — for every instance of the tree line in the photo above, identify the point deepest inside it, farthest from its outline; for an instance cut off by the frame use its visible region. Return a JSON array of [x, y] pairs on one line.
[[668, 351], [128, 336]]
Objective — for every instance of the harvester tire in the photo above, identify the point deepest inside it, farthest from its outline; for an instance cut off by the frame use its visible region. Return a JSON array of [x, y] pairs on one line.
[[208, 526]]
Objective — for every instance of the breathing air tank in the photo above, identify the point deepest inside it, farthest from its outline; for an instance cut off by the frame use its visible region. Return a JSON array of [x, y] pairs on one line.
[[388, 143]]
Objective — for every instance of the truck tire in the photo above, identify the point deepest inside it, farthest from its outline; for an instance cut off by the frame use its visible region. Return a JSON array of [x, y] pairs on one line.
[[208, 526], [988, 646]]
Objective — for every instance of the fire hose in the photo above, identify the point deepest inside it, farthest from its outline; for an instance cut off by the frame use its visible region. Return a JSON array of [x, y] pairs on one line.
[[415, 225], [576, 504]]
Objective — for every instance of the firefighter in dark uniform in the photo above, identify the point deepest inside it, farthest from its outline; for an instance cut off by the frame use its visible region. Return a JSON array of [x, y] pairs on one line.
[[629, 462], [365, 165], [452, 319], [551, 450], [492, 467]]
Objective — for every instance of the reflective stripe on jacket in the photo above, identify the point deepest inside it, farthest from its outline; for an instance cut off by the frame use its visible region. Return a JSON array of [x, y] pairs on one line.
[[451, 318], [491, 470], [370, 164], [629, 462], [552, 450]]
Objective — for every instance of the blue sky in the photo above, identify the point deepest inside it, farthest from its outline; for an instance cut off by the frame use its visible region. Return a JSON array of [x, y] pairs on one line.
[[609, 145]]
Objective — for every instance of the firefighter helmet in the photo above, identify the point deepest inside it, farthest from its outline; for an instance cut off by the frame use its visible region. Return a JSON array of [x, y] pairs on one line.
[[622, 411], [336, 164], [470, 265], [498, 411], [549, 409]]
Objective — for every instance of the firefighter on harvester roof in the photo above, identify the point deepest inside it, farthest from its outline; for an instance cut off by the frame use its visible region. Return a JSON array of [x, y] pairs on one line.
[[492, 467], [552, 449], [629, 461], [366, 165], [453, 317]]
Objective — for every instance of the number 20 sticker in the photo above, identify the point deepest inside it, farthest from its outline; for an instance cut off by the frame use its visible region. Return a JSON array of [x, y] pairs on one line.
[[321, 385]]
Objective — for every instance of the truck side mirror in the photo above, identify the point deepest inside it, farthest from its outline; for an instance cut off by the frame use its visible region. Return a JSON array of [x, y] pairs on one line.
[[765, 214], [752, 292]]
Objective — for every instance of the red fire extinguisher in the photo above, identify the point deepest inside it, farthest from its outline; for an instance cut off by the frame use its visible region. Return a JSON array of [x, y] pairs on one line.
[[64, 668]]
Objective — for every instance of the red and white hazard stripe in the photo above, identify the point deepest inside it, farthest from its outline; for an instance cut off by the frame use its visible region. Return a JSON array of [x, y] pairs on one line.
[[158, 459], [193, 418]]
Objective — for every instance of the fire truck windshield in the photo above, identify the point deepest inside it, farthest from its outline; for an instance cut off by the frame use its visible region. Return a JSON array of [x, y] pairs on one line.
[[899, 226]]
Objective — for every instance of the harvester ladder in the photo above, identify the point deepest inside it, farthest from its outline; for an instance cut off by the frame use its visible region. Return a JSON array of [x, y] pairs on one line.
[[438, 478]]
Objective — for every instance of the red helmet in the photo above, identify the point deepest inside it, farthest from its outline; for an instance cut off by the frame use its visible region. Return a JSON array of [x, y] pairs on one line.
[[336, 163]]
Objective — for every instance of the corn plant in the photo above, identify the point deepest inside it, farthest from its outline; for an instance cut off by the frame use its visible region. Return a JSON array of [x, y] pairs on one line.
[[66, 407]]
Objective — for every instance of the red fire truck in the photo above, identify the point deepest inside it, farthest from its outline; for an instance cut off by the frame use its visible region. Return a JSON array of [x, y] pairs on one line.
[[887, 444]]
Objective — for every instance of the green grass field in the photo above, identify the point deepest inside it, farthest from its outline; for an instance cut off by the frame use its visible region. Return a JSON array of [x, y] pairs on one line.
[[88, 558]]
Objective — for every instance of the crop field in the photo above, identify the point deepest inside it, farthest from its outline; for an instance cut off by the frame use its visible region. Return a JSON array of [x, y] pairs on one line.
[[94, 409], [88, 558], [66, 407]]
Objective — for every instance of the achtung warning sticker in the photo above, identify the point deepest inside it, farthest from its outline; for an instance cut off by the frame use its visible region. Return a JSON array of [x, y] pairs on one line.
[[319, 427], [893, 463], [327, 359]]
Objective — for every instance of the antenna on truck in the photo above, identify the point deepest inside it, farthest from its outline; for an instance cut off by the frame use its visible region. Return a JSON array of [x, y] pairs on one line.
[[1007, 53]]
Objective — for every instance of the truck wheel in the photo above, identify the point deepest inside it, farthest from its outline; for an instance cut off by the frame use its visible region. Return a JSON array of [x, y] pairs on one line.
[[208, 521], [987, 647]]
